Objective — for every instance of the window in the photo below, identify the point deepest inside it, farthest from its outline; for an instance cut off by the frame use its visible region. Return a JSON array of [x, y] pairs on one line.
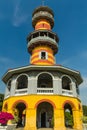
[[22, 82], [45, 81], [66, 83], [43, 55], [77, 89], [9, 85]]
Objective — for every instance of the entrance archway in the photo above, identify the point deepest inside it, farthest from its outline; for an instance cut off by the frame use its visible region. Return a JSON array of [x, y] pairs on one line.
[[45, 115], [68, 116], [20, 113]]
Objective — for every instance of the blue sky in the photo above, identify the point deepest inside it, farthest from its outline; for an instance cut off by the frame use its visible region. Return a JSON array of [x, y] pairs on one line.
[[70, 25]]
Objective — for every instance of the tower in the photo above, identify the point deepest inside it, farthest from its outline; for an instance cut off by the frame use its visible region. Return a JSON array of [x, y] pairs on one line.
[[43, 93], [42, 43]]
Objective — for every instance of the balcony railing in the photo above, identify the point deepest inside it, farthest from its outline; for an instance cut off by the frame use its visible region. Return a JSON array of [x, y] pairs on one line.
[[44, 90], [42, 38], [21, 91], [7, 95], [67, 92]]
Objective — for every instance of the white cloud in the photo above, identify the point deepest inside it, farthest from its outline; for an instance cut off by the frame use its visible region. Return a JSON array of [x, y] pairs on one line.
[[83, 91], [84, 84], [19, 16], [84, 54], [4, 60]]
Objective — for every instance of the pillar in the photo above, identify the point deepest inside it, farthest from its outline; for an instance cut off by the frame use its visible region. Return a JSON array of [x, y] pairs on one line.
[[77, 120], [32, 85], [30, 119], [57, 85], [13, 87], [59, 119]]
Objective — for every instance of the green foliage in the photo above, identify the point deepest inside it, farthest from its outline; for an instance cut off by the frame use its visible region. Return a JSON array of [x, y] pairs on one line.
[[16, 118], [84, 110], [52, 122], [84, 119], [1, 101], [68, 119]]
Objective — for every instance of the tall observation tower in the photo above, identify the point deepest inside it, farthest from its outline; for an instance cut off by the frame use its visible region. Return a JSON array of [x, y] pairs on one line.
[[43, 94]]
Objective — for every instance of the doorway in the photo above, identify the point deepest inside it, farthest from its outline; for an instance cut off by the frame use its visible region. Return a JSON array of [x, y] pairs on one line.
[[20, 115], [45, 115], [43, 119]]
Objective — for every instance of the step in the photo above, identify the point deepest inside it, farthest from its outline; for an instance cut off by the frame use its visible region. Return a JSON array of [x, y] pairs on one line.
[[45, 129], [20, 128]]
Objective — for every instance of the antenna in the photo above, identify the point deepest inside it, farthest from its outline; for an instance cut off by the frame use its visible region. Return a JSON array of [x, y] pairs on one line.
[[43, 2]]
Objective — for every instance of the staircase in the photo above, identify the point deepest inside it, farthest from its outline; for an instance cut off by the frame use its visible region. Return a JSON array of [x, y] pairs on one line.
[[20, 128], [70, 129], [37, 129], [45, 129]]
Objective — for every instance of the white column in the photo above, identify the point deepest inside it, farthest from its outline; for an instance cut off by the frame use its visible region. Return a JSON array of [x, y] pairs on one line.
[[32, 85], [57, 86], [73, 85], [13, 86]]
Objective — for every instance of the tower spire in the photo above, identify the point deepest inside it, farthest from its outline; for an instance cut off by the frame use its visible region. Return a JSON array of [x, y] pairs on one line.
[[42, 42]]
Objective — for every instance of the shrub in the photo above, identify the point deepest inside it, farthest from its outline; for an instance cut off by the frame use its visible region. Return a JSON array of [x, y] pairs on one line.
[[5, 117]]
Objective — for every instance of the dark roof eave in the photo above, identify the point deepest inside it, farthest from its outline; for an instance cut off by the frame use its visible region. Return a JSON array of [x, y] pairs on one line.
[[60, 68]]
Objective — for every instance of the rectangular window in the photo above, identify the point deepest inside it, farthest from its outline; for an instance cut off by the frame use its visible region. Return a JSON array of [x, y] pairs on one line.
[[43, 55]]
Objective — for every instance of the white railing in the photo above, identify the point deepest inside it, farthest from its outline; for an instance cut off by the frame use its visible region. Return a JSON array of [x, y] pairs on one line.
[[7, 95], [44, 90], [21, 91], [41, 13], [67, 92], [43, 38]]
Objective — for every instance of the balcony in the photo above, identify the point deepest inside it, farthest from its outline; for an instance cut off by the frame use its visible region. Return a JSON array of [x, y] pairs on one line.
[[42, 37], [21, 91], [7, 95], [44, 90], [42, 15], [67, 92]]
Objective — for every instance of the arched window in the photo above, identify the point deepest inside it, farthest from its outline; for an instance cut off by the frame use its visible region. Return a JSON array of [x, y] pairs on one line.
[[68, 116], [22, 82], [45, 81], [77, 89], [9, 85], [66, 83]]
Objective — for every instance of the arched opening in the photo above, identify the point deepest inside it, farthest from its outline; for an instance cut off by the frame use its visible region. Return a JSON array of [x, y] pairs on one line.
[[22, 82], [9, 85], [45, 81], [5, 107], [45, 115], [66, 83], [68, 115], [77, 89], [20, 114]]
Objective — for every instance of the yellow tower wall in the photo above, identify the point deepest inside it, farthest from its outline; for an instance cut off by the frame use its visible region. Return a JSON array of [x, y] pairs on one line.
[[42, 24], [35, 58], [32, 102]]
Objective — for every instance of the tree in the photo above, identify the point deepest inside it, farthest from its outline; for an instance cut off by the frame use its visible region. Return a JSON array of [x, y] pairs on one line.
[[1, 101], [68, 119], [84, 110]]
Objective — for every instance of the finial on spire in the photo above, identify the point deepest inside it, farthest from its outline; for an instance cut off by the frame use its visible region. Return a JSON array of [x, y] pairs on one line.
[[43, 1]]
